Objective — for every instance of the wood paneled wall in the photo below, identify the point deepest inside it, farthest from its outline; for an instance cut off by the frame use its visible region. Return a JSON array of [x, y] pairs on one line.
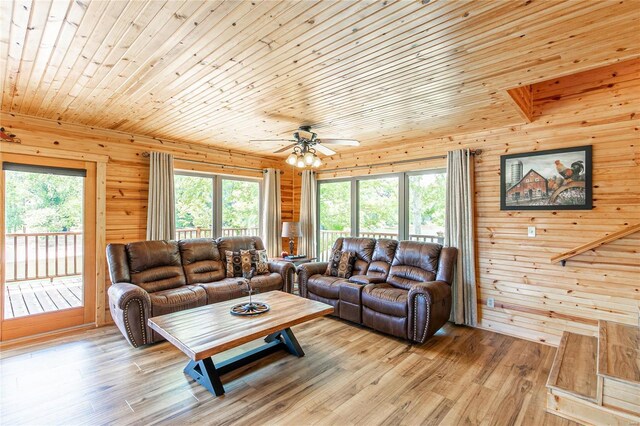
[[127, 173], [534, 298]]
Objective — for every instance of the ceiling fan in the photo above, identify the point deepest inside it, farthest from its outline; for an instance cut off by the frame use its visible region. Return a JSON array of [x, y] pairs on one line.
[[305, 143]]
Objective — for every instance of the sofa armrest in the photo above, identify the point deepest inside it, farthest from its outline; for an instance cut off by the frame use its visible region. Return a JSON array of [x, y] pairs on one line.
[[130, 307], [307, 270], [432, 291], [122, 293], [429, 309], [286, 270]]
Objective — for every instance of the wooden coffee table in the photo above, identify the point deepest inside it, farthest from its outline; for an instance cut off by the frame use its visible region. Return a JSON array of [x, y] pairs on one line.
[[208, 330]]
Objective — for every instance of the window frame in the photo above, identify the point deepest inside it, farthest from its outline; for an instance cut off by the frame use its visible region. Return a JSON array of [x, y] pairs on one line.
[[216, 187], [403, 199]]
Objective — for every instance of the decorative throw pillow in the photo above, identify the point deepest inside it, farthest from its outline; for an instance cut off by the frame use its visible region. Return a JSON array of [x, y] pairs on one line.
[[262, 265], [341, 264], [258, 261], [234, 264], [247, 261]]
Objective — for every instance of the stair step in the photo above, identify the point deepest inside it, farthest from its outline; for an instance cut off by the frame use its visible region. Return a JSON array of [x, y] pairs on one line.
[[619, 351], [574, 369]]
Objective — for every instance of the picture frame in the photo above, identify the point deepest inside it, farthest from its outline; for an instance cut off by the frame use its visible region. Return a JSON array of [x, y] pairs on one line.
[[556, 179]]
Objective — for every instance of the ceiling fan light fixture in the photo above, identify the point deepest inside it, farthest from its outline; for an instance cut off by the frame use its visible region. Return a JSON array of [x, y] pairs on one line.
[[309, 157], [292, 159], [300, 162], [317, 162]]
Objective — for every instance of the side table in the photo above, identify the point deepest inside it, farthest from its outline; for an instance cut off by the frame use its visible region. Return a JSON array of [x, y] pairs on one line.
[[296, 262]]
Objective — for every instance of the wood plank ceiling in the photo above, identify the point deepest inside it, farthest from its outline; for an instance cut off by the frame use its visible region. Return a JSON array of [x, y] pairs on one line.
[[224, 72]]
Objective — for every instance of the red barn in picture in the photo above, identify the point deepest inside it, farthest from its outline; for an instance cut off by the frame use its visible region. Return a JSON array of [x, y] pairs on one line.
[[532, 186]]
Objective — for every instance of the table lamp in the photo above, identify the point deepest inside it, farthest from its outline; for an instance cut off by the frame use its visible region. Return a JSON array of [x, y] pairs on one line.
[[291, 230]]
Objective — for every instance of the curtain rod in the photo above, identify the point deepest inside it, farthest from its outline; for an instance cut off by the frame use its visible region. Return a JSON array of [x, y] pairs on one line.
[[146, 154], [412, 160]]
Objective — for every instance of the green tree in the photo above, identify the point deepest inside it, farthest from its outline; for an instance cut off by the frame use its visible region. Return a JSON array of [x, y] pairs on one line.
[[335, 206], [379, 205], [427, 195], [194, 202], [240, 204], [42, 202]]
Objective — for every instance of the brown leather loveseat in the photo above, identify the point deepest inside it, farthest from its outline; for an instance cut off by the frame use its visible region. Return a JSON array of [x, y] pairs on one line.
[[399, 288], [151, 278]]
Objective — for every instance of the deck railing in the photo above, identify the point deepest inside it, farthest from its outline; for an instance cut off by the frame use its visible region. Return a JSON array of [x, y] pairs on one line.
[[327, 238], [184, 233], [40, 255]]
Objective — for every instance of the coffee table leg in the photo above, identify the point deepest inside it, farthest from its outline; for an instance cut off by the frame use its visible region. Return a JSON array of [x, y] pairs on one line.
[[205, 373], [291, 342], [208, 375]]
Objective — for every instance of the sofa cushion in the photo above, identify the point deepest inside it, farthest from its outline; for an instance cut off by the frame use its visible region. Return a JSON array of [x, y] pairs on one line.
[[414, 262], [365, 279], [383, 254], [362, 247], [155, 265], [419, 254], [328, 287], [267, 282], [177, 299], [225, 289], [386, 299], [341, 264], [201, 260], [239, 243]]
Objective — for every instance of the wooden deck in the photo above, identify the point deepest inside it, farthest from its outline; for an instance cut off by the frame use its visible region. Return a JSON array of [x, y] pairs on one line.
[[42, 295]]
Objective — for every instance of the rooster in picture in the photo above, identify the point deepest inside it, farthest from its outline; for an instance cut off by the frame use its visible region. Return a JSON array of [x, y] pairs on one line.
[[575, 173]]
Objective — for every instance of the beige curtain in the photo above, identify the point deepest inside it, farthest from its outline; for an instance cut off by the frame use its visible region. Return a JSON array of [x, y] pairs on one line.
[[308, 200], [459, 232], [161, 224], [271, 213]]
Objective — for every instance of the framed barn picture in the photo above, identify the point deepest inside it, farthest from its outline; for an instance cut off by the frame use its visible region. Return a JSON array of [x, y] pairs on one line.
[[558, 179]]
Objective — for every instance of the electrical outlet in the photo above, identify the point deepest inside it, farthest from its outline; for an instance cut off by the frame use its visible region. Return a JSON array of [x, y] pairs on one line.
[[491, 302], [531, 231]]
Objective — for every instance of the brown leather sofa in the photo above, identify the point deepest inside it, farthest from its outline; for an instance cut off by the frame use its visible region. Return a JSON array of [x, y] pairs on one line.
[[151, 278], [399, 288]]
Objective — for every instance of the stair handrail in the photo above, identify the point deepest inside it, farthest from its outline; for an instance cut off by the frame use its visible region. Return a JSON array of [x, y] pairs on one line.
[[627, 230]]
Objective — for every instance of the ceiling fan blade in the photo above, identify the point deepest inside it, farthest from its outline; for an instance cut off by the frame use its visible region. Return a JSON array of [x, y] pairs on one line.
[[272, 140], [343, 142], [323, 149], [286, 148]]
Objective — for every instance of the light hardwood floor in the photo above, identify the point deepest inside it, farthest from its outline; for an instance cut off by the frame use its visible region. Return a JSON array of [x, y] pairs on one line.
[[350, 375]]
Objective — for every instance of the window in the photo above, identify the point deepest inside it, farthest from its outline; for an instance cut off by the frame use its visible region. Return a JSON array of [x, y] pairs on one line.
[[378, 207], [194, 206], [399, 206], [240, 207], [426, 206], [334, 209], [214, 206]]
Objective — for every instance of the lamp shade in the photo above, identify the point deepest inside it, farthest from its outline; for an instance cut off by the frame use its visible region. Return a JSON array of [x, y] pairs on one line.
[[291, 230]]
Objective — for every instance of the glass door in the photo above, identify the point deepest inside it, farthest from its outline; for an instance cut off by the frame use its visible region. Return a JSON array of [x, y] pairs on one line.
[[49, 245]]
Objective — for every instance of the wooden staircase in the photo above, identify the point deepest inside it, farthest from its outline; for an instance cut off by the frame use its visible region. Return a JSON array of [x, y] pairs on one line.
[[596, 380]]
